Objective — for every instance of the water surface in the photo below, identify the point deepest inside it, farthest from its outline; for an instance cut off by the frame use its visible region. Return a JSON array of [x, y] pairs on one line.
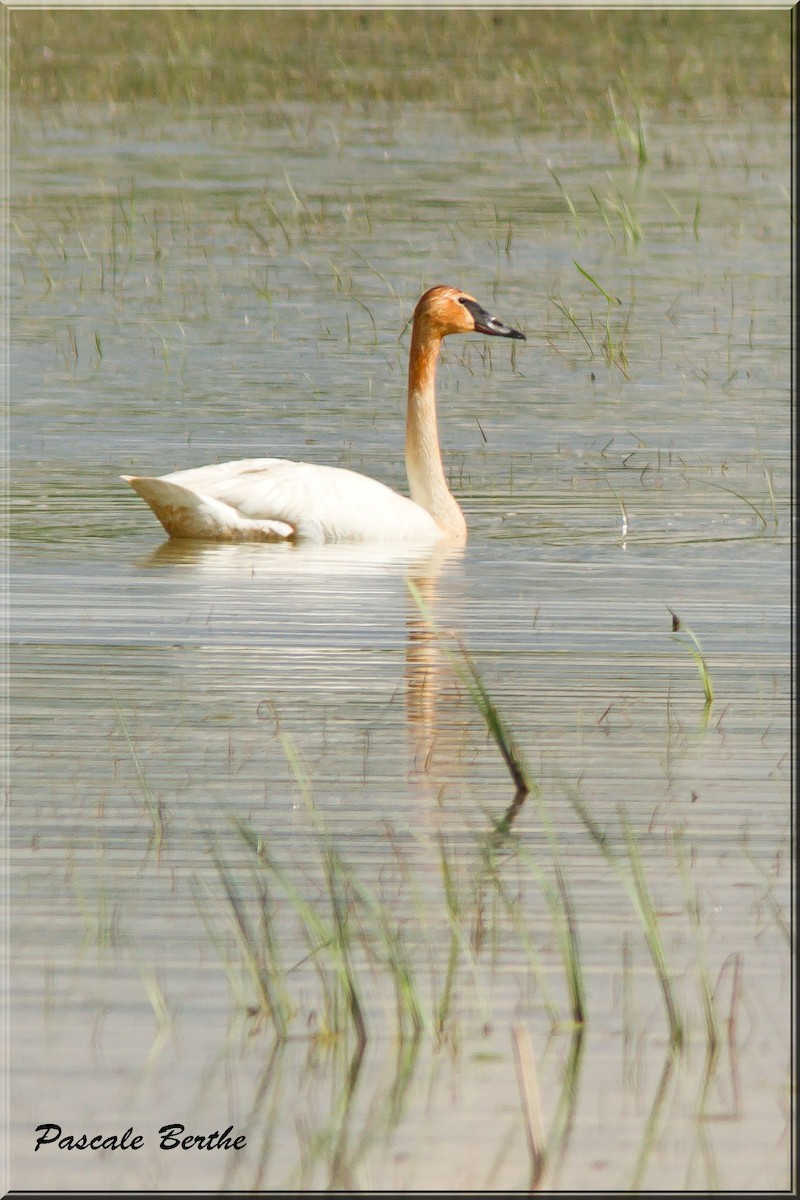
[[196, 286]]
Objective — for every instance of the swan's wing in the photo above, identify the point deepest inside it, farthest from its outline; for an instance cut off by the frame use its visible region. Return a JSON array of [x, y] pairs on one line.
[[272, 497], [185, 513], [321, 503]]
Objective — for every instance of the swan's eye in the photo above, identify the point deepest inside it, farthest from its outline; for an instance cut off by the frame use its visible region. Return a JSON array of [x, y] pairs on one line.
[[463, 300]]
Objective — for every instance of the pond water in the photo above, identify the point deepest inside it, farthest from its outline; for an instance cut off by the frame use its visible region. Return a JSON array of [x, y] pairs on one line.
[[206, 739]]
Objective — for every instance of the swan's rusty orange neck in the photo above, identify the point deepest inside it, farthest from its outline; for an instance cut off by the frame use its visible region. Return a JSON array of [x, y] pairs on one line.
[[426, 478], [426, 342]]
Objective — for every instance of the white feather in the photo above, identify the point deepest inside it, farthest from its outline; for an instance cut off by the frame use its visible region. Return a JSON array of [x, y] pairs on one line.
[[273, 499]]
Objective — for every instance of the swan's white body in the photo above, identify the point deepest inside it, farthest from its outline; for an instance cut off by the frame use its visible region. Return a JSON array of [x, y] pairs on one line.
[[230, 502], [272, 499]]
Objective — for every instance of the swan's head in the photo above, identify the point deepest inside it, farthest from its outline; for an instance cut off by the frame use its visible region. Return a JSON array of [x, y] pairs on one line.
[[444, 310]]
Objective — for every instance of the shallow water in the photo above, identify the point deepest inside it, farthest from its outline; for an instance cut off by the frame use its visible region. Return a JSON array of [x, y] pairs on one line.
[[200, 287]]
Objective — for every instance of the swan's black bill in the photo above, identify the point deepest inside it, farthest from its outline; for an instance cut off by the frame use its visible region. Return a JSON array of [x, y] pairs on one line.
[[486, 323]]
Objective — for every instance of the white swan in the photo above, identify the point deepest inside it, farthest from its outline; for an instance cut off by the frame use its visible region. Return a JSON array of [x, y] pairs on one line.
[[272, 499]]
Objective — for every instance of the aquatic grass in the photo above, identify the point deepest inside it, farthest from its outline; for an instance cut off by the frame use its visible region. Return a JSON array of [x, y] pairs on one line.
[[344, 942], [682, 221], [603, 212], [332, 941], [627, 1000], [332, 937], [696, 220], [547, 1151], [126, 206], [520, 925], [562, 913], [629, 222], [410, 1014], [565, 197], [654, 1114], [355, 918], [403, 939], [154, 805], [35, 253], [733, 492], [652, 932], [337, 939], [703, 1142], [336, 1071], [691, 901], [561, 1125], [627, 135], [154, 989], [611, 300], [422, 918], [623, 510], [565, 924], [238, 221], [326, 1144], [528, 1084], [614, 351], [635, 884], [559, 903], [385, 1107], [456, 940], [734, 961], [205, 898], [769, 879], [259, 950], [697, 654], [340, 942], [460, 946], [320, 936], [558, 899], [568, 313], [262, 1116], [101, 917], [781, 923], [341, 1158], [770, 489], [612, 344], [619, 208], [208, 58], [469, 675]]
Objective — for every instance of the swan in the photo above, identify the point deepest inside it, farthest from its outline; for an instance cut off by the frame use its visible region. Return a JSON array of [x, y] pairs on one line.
[[272, 499]]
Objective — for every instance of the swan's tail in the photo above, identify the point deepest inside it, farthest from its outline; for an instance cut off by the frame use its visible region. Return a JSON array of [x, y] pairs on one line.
[[187, 514]]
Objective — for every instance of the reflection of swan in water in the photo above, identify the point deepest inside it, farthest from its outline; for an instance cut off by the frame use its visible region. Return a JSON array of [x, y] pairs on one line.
[[313, 598], [425, 671], [434, 657], [271, 499], [244, 560]]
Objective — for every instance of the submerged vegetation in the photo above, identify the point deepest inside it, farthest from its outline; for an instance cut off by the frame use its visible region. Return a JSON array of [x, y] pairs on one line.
[[351, 932], [317, 952], [697, 654]]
